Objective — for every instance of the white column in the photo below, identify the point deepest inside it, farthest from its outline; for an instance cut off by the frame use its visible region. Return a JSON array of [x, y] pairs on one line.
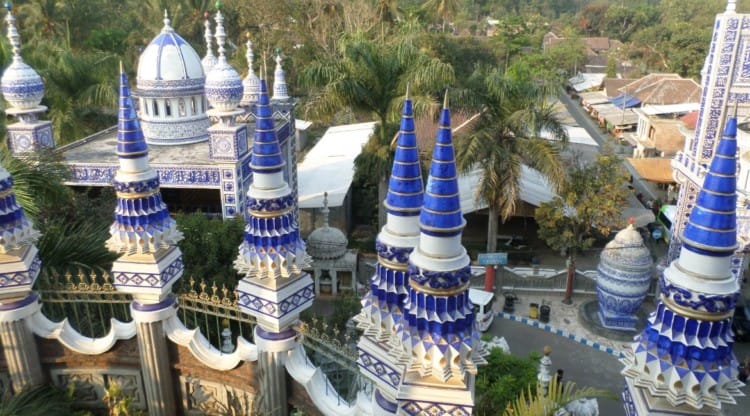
[[18, 344], [273, 347]]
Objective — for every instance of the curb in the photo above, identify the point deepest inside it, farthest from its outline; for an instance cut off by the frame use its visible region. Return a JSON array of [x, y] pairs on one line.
[[560, 332]]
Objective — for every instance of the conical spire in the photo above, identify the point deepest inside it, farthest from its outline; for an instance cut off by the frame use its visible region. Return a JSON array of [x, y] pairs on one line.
[[280, 91], [16, 230], [142, 223], [444, 341], [272, 247], [712, 226], [209, 61], [685, 352], [251, 83], [441, 215], [22, 86], [405, 187]]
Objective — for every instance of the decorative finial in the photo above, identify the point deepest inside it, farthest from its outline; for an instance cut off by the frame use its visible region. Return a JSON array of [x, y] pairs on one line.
[[122, 71], [167, 22], [731, 5], [445, 100], [325, 211], [221, 36], [631, 220], [280, 91], [13, 36], [218, 4], [249, 54]]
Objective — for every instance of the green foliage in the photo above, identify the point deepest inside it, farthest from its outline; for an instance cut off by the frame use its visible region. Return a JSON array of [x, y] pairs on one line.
[[210, 247], [503, 379], [43, 400], [119, 403], [589, 205], [344, 307], [533, 401]]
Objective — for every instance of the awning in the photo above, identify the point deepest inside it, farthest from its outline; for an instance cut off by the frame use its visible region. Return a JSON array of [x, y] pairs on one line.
[[625, 101], [654, 169]]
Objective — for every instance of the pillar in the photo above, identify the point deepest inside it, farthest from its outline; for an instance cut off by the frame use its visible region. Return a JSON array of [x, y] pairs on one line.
[[154, 356], [273, 347], [19, 346]]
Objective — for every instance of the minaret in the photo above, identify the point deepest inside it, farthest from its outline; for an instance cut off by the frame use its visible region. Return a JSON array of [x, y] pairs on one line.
[[150, 261], [724, 79], [228, 140], [274, 290], [251, 83], [383, 305], [683, 363], [444, 344], [19, 268], [209, 60], [23, 89], [280, 92]]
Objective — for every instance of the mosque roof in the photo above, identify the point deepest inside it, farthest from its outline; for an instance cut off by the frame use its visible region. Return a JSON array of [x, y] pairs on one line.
[[326, 242], [169, 64]]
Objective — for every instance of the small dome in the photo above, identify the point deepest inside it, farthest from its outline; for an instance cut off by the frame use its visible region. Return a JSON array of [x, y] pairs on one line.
[[223, 83], [224, 86], [327, 243], [21, 85], [627, 249], [169, 63]]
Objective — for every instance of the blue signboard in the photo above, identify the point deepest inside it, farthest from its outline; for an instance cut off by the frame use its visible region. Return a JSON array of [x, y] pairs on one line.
[[492, 259]]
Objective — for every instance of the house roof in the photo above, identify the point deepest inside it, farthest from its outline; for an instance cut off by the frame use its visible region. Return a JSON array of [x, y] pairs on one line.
[[690, 119], [654, 169], [612, 85], [663, 89]]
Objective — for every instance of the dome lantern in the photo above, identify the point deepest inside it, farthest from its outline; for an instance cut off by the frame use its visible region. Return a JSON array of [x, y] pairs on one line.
[[22, 86], [223, 83]]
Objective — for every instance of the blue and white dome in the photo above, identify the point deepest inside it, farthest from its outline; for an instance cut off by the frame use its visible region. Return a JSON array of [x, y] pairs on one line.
[[169, 63], [623, 279], [21, 85], [223, 83]]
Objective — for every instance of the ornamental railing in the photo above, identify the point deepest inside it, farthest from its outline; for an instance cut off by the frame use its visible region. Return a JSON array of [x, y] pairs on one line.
[[87, 299]]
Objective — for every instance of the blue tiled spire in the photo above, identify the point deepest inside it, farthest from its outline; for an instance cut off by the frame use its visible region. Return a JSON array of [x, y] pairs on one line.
[[712, 226], [142, 223], [15, 229], [130, 140], [405, 188], [272, 247], [441, 214], [266, 157]]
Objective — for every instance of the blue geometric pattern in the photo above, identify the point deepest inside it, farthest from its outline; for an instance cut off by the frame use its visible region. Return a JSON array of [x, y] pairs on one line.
[[441, 214], [712, 226], [150, 280], [15, 229], [405, 189], [414, 408], [22, 277], [256, 305], [383, 371], [21, 85]]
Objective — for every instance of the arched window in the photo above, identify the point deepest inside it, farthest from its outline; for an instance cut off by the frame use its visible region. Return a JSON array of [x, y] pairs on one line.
[[156, 109], [192, 106], [167, 109], [144, 105]]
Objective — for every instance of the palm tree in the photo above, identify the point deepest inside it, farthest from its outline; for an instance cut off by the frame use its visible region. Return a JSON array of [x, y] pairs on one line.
[[370, 79], [42, 400], [442, 9], [514, 111], [537, 403]]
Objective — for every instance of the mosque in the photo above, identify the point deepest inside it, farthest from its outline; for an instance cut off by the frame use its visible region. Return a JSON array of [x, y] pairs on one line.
[[186, 128]]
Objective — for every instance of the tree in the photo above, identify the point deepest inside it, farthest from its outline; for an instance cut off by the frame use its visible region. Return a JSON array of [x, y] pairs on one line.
[[590, 205], [370, 79], [504, 378], [442, 9], [514, 111], [533, 402], [42, 400]]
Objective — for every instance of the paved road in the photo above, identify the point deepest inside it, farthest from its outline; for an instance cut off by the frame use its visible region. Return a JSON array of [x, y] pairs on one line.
[[587, 366]]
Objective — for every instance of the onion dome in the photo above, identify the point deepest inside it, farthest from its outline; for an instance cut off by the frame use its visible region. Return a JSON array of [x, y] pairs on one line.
[[142, 223], [271, 247], [209, 60], [326, 242], [624, 276], [280, 91], [223, 83], [251, 83], [440, 319], [169, 65], [22, 86], [16, 230]]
